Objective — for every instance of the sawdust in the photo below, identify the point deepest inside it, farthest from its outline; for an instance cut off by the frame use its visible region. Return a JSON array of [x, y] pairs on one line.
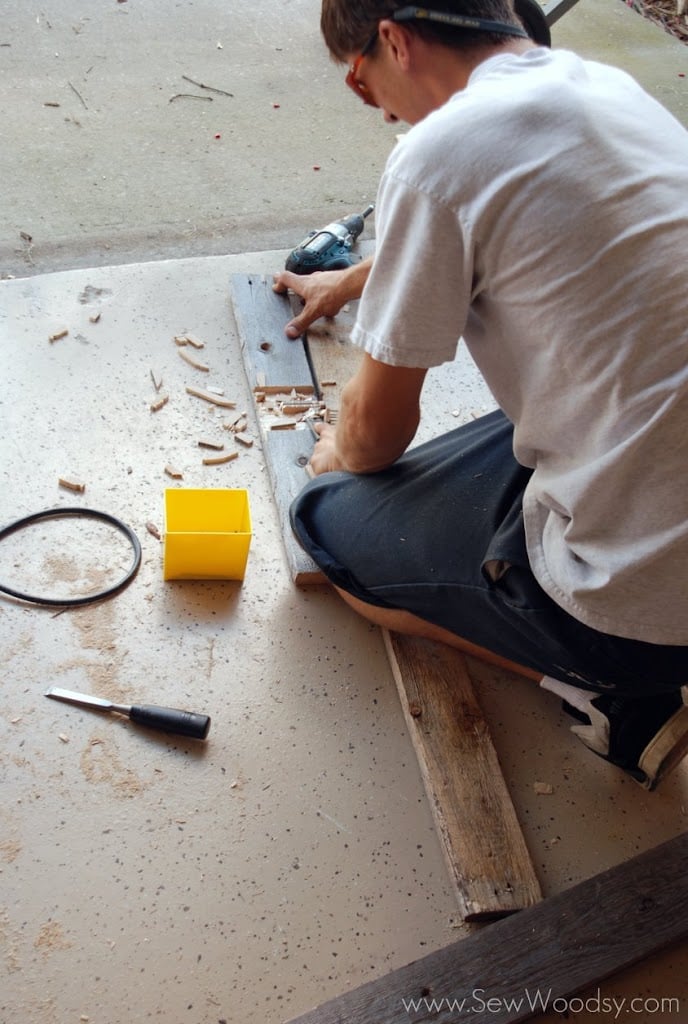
[[96, 627], [97, 631], [51, 938], [10, 937], [21, 644], [61, 568], [9, 850], [101, 679], [64, 569], [71, 559], [101, 765]]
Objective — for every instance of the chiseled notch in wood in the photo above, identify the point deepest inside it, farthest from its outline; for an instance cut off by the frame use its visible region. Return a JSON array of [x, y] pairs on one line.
[[269, 356], [551, 951], [486, 853]]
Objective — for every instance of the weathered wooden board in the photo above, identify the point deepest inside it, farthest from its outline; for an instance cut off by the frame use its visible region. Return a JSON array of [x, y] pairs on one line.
[[486, 853], [286, 454], [269, 356], [275, 363], [514, 969]]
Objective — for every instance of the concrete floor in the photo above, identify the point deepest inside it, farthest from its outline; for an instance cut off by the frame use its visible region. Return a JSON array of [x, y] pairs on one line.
[[292, 856]]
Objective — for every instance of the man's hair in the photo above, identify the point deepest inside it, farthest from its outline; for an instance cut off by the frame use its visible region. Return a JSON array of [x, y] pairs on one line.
[[347, 25]]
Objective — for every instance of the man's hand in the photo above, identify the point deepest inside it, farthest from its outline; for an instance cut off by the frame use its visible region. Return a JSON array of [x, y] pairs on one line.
[[324, 458], [324, 293]]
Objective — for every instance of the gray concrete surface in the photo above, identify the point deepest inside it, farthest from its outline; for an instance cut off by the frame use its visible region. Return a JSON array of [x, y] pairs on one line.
[[295, 856], [119, 171], [122, 171]]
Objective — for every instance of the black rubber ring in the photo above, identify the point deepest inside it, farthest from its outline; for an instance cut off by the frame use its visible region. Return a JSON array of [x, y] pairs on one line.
[[53, 513]]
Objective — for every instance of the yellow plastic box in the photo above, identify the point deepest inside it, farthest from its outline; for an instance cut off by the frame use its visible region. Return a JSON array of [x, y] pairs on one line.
[[207, 534]]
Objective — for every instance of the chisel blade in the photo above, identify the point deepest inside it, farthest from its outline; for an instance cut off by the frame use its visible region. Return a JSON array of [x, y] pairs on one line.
[[82, 699]]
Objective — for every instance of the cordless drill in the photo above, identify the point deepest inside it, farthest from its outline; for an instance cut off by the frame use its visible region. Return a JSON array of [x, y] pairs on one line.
[[330, 247]]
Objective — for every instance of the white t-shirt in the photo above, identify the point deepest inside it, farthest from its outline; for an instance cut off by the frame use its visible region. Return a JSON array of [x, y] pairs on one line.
[[542, 215]]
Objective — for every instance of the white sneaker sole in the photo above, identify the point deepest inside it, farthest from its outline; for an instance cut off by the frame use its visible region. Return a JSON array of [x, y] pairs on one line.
[[666, 750]]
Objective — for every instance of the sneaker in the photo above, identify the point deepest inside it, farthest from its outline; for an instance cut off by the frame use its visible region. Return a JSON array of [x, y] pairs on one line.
[[645, 736]]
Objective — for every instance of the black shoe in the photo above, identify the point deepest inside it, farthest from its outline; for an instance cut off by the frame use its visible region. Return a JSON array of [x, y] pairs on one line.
[[647, 737]]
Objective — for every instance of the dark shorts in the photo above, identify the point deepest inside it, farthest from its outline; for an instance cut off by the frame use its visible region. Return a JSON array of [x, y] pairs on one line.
[[419, 535]]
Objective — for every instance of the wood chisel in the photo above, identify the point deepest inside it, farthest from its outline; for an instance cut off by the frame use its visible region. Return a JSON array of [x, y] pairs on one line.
[[184, 723]]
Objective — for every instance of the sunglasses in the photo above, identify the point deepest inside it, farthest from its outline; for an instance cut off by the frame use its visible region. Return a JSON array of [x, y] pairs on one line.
[[423, 14], [352, 80]]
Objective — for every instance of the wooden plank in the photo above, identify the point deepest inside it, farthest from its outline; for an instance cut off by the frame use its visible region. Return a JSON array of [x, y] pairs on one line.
[[287, 453], [486, 853], [517, 968], [269, 356], [273, 361]]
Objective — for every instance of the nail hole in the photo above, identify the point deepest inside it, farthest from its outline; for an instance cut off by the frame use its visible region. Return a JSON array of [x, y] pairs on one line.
[[302, 460], [265, 346]]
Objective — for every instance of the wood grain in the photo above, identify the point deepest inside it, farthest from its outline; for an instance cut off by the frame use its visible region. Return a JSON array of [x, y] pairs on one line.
[[486, 853]]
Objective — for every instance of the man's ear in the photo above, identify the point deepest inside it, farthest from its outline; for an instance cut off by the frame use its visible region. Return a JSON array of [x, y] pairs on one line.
[[398, 39]]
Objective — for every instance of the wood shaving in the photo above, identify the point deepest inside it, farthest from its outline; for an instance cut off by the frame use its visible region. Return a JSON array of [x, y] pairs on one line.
[[153, 530], [218, 460], [58, 334], [296, 408], [194, 341], [193, 362], [72, 485], [189, 339], [283, 389], [207, 396]]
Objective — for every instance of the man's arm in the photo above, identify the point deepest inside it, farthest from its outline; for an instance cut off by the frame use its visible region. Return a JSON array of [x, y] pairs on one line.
[[378, 418], [324, 293]]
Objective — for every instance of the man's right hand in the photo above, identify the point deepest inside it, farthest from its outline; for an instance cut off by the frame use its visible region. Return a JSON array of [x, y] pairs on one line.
[[324, 292]]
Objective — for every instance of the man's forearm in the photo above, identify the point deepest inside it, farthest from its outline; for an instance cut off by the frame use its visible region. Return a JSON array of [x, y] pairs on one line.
[[354, 278], [371, 436]]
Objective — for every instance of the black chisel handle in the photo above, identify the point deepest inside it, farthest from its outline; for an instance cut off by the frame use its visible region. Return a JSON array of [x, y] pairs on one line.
[[184, 723]]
